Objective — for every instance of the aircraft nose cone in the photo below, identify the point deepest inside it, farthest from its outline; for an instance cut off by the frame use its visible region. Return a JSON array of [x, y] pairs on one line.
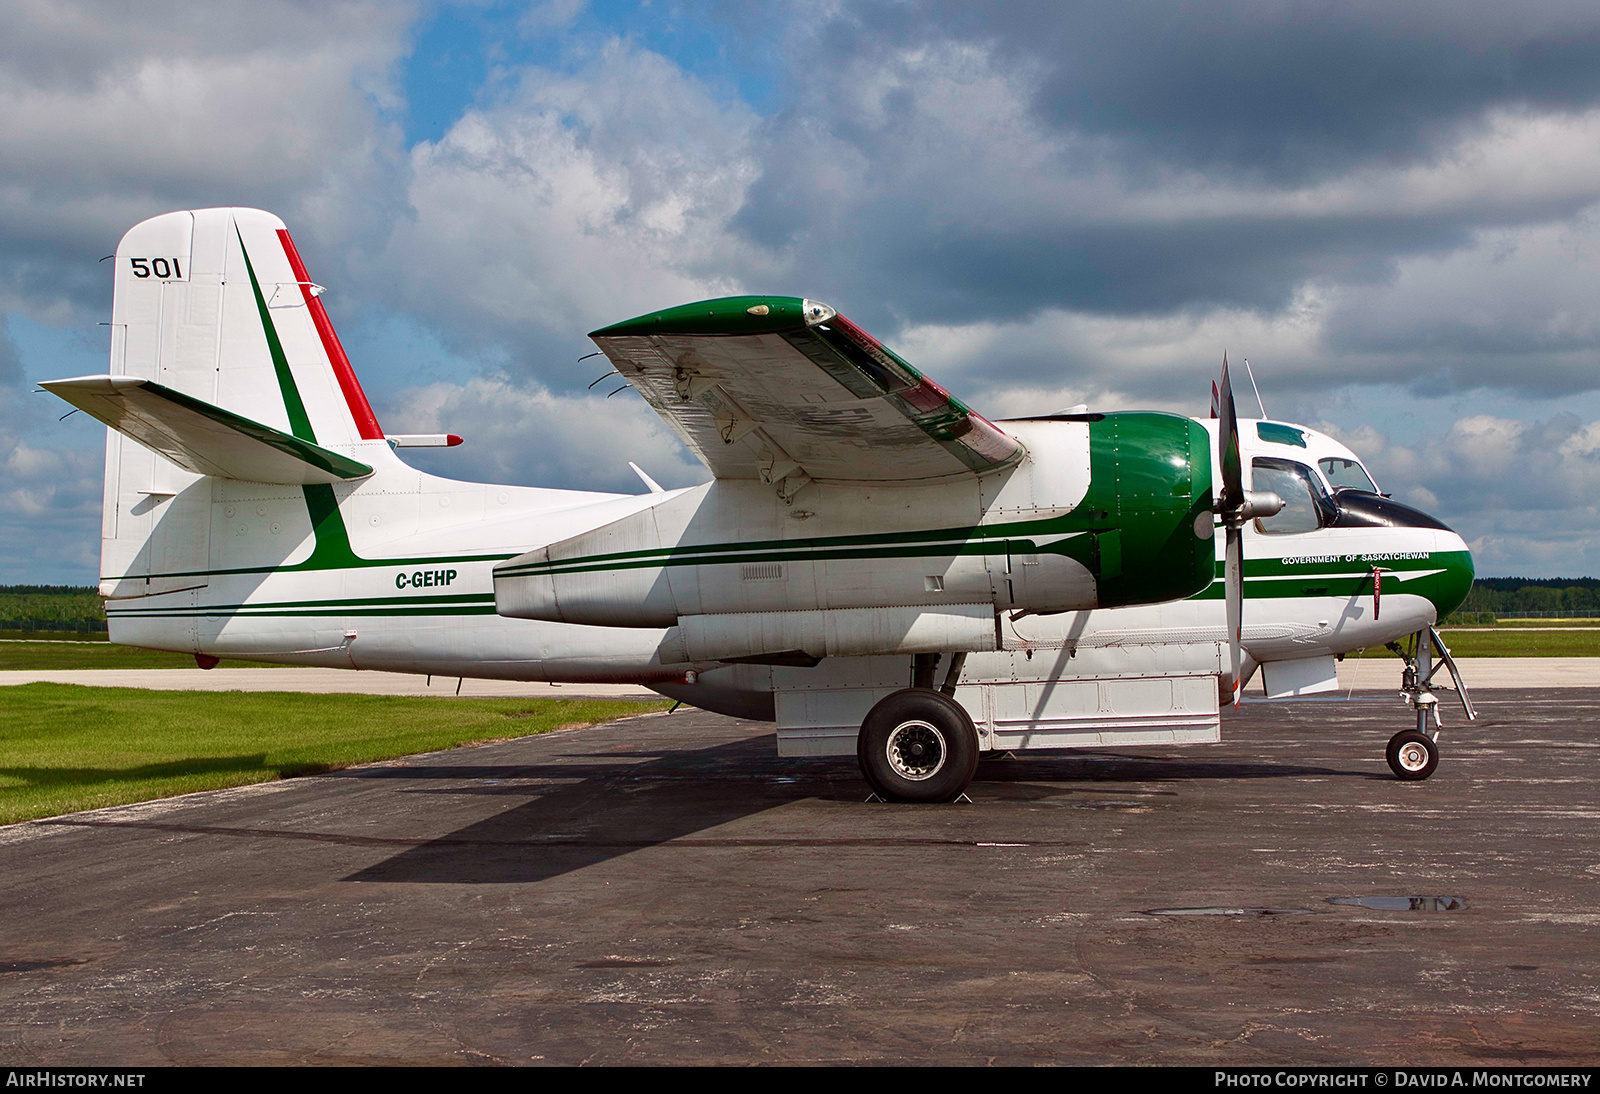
[[1446, 588], [1451, 586]]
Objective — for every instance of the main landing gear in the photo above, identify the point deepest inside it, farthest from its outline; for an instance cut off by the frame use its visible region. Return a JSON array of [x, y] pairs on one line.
[[1414, 753], [919, 744]]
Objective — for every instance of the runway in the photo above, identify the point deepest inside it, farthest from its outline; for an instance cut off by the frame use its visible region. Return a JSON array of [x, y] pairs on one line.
[[666, 890], [1355, 674]]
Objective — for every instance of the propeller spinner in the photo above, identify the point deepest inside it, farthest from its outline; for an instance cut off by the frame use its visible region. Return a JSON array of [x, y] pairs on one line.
[[1235, 506]]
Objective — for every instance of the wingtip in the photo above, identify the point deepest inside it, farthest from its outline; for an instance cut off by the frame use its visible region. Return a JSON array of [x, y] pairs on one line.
[[726, 315]]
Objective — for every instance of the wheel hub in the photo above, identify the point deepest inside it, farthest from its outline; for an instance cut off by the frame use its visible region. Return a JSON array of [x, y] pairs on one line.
[[916, 750], [1413, 757]]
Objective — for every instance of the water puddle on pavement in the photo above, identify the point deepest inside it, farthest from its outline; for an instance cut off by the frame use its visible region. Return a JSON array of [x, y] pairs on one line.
[[32, 966], [1230, 911], [1403, 903]]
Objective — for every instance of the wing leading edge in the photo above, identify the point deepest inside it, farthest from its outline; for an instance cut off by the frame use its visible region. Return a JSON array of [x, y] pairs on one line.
[[787, 391]]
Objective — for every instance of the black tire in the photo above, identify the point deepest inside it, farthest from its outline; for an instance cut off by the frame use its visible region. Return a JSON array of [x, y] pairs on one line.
[[1412, 755], [918, 746]]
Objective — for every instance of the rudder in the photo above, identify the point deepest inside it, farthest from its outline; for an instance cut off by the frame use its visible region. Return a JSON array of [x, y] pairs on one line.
[[215, 304]]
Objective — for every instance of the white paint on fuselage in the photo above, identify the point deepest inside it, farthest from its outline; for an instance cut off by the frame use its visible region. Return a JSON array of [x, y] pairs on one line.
[[421, 523]]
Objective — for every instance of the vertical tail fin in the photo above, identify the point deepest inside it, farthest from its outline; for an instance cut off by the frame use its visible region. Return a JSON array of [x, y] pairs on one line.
[[216, 304]]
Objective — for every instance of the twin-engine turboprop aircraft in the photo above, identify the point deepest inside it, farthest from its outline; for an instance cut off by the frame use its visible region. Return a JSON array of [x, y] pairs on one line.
[[874, 566]]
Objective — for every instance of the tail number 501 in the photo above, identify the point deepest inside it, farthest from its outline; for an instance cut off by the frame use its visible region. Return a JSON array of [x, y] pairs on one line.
[[162, 269]]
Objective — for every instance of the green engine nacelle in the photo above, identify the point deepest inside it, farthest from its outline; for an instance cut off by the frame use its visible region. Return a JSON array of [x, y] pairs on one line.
[[1150, 504]]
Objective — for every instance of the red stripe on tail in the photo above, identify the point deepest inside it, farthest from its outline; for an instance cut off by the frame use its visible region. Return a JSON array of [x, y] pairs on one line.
[[354, 397]]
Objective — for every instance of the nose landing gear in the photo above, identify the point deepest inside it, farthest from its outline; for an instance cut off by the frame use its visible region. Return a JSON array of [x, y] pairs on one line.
[[1414, 753]]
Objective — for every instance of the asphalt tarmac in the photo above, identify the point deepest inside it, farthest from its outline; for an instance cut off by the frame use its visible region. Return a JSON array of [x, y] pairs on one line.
[[667, 890], [1355, 674]]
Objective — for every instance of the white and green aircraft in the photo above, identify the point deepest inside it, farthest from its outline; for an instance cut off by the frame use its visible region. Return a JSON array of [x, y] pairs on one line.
[[875, 567]]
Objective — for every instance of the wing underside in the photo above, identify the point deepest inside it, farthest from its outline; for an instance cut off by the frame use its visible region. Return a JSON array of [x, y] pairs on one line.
[[786, 391]]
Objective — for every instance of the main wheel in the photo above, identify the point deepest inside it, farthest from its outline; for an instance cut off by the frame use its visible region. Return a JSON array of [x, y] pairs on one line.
[[918, 745], [1412, 755]]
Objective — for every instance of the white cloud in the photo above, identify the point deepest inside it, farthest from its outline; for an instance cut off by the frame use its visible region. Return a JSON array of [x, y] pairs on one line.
[[50, 503], [1114, 363], [1516, 308], [1523, 494], [548, 15], [528, 436], [578, 201], [109, 115]]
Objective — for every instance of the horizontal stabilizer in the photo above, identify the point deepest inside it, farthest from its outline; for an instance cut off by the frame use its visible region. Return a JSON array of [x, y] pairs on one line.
[[200, 437]]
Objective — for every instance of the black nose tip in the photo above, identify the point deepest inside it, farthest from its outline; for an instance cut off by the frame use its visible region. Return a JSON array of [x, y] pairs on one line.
[[1360, 509]]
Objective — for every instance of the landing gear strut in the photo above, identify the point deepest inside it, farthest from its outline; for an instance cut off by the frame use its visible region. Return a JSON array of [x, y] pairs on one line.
[[1414, 753]]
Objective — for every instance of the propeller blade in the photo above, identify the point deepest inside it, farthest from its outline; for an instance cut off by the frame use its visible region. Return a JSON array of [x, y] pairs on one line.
[[1377, 588], [1235, 507], [1233, 585], [1228, 446]]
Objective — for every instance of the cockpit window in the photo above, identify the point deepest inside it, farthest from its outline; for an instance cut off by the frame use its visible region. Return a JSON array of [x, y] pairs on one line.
[[1294, 483], [1347, 474]]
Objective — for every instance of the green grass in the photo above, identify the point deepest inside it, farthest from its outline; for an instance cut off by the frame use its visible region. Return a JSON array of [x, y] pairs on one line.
[[1468, 620], [1499, 642], [1533, 642], [65, 748]]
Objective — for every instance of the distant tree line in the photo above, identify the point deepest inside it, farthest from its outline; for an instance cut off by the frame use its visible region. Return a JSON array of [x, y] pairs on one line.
[[1533, 597], [51, 608]]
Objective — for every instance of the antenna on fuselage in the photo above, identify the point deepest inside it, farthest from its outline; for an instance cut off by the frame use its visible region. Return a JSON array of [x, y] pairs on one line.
[[1251, 373], [655, 487]]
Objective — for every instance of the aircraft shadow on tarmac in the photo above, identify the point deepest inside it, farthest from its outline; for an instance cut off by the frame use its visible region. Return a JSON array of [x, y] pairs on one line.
[[607, 805], [41, 776]]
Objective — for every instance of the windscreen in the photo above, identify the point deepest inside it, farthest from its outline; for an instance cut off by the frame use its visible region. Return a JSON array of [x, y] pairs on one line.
[[1345, 474], [1294, 484]]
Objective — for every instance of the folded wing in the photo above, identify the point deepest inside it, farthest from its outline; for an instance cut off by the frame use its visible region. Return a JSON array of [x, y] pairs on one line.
[[787, 391]]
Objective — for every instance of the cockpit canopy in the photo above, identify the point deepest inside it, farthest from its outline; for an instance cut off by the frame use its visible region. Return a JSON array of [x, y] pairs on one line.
[[1309, 505], [1322, 483]]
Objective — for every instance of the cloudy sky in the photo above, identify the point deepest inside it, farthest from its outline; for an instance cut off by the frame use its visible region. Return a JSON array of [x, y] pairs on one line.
[[1392, 210]]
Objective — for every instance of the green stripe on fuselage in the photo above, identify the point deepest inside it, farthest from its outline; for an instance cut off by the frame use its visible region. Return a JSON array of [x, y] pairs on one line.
[[1445, 577]]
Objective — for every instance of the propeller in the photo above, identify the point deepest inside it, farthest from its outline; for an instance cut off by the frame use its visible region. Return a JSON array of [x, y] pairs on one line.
[[1236, 506]]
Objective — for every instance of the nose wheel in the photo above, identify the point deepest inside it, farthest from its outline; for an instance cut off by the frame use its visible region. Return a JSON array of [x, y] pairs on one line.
[[1412, 755]]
